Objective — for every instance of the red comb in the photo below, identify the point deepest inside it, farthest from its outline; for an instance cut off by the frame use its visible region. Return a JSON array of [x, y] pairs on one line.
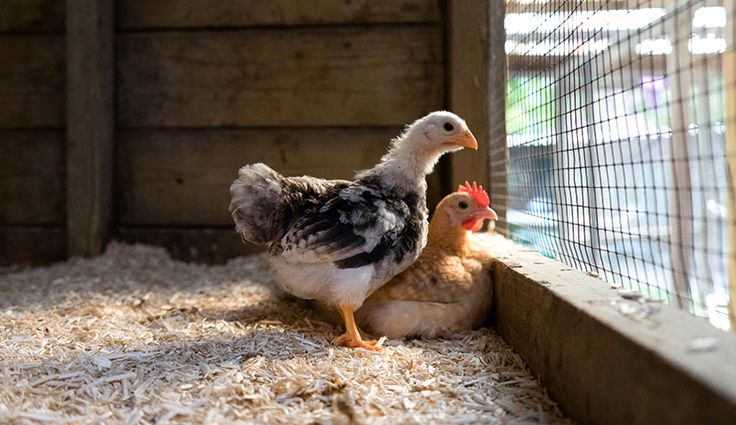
[[479, 195]]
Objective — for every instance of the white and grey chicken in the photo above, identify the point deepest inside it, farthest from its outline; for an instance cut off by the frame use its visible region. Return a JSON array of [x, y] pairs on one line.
[[338, 241]]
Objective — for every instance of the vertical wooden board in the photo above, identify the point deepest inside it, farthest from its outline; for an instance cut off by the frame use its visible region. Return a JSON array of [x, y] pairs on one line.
[[681, 203], [468, 69], [295, 77], [730, 80], [498, 152], [31, 177], [729, 84], [183, 177], [243, 13], [31, 81], [89, 125], [31, 15]]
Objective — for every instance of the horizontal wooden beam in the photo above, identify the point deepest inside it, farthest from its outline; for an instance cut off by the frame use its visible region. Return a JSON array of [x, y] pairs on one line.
[[607, 359], [161, 179], [296, 77], [32, 177], [31, 81], [146, 14], [32, 245], [31, 16]]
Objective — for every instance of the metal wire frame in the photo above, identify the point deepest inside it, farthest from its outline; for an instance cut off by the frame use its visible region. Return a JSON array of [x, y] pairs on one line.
[[616, 146]]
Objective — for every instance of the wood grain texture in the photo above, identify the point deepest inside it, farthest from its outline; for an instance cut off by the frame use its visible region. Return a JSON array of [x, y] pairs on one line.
[[89, 152], [199, 245], [603, 365], [31, 15], [295, 77], [31, 245], [183, 177], [32, 177], [243, 13], [498, 153], [469, 84], [31, 81]]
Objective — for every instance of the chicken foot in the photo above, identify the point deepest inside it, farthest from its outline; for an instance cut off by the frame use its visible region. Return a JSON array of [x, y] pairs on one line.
[[351, 338]]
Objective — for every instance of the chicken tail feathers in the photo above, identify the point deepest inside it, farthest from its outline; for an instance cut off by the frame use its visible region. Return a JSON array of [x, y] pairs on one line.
[[255, 203]]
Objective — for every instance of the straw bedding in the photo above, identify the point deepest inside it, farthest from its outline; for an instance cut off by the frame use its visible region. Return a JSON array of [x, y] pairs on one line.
[[133, 337]]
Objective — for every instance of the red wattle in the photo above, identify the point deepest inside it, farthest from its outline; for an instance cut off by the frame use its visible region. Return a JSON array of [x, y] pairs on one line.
[[473, 225]]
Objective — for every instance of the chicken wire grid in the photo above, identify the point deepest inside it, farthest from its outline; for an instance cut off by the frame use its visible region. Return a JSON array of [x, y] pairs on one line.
[[618, 140]]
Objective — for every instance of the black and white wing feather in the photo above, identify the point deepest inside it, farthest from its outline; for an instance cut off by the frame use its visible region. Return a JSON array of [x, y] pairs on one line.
[[356, 227], [264, 203]]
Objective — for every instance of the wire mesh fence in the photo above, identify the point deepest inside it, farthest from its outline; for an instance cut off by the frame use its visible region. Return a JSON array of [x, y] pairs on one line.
[[619, 131]]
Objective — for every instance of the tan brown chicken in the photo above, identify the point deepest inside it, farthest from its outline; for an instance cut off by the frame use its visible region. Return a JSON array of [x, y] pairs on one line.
[[448, 289]]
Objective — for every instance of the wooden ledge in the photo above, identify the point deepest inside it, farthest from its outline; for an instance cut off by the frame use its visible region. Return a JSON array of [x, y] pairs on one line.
[[608, 359]]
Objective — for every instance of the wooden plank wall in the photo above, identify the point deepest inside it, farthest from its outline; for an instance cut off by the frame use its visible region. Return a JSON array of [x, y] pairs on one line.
[[32, 164], [203, 87]]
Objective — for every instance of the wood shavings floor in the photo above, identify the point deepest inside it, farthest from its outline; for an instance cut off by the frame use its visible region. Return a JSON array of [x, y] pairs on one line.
[[135, 337]]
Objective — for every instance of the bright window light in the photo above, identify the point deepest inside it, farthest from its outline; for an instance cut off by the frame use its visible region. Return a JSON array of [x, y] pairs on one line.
[[706, 45], [610, 20], [658, 46], [554, 48], [710, 17], [509, 46]]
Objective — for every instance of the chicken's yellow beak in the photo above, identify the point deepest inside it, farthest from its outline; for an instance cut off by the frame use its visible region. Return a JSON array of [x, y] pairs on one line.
[[487, 213], [467, 140]]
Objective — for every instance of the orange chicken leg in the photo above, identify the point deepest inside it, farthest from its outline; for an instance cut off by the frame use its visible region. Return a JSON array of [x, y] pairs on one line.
[[351, 338]]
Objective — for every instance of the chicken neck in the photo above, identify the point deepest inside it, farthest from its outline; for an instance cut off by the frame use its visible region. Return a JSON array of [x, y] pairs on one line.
[[404, 166], [443, 233]]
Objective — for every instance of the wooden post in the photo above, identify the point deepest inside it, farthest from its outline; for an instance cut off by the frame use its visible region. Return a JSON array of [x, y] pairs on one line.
[[564, 165], [497, 156], [469, 90], [592, 165], [89, 124], [729, 85], [679, 28]]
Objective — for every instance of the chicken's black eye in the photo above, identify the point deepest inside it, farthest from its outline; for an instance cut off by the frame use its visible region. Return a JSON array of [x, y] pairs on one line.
[[463, 205], [448, 126]]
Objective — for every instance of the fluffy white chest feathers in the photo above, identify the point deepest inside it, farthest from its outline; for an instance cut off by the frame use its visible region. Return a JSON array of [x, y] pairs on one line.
[[324, 281]]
